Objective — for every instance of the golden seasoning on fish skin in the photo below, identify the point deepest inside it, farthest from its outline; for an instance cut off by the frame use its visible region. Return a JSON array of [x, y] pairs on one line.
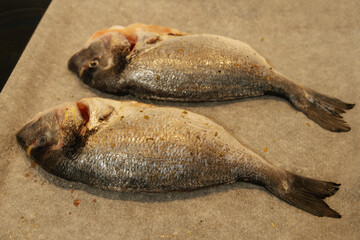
[[176, 66], [127, 152]]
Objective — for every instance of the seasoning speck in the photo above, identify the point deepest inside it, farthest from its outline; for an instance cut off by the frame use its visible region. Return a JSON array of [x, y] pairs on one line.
[[146, 117], [76, 202], [308, 124], [265, 149]]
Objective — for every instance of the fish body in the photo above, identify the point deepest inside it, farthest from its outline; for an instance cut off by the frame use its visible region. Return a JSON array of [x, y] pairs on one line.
[[169, 65], [192, 73], [129, 146]]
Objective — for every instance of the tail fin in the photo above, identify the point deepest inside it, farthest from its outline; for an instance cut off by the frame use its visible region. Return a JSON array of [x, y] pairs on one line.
[[306, 194], [322, 109], [325, 111]]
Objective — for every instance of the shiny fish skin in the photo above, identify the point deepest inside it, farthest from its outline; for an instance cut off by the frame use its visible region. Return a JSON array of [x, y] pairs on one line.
[[193, 67], [154, 75], [129, 146]]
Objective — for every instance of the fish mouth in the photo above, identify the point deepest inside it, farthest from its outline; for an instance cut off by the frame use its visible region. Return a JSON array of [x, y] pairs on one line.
[[20, 139], [24, 132], [74, 63], [22, 142]]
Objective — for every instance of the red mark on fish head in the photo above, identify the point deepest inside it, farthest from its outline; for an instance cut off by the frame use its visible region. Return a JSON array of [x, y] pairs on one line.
[[84, 111]]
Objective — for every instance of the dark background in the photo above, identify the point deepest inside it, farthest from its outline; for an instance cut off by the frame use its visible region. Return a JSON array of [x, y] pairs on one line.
[[18, 20]]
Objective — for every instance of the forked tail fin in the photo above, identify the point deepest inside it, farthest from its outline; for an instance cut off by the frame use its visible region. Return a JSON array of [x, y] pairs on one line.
[[325, 111], [306, 194]]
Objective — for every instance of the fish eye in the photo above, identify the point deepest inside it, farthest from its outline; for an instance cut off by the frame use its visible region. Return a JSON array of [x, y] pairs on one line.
[[41, 141], [93, 64]]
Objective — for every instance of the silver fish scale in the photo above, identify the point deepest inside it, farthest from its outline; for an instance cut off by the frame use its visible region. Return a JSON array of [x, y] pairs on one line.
[[179, 69], [162, 149]]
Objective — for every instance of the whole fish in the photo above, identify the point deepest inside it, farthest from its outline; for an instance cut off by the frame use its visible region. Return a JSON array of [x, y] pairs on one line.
[[130, 146], [161, 63]]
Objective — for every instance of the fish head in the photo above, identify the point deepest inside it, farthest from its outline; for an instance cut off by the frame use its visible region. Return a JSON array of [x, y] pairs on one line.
[[102, 59], [50, 134]]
